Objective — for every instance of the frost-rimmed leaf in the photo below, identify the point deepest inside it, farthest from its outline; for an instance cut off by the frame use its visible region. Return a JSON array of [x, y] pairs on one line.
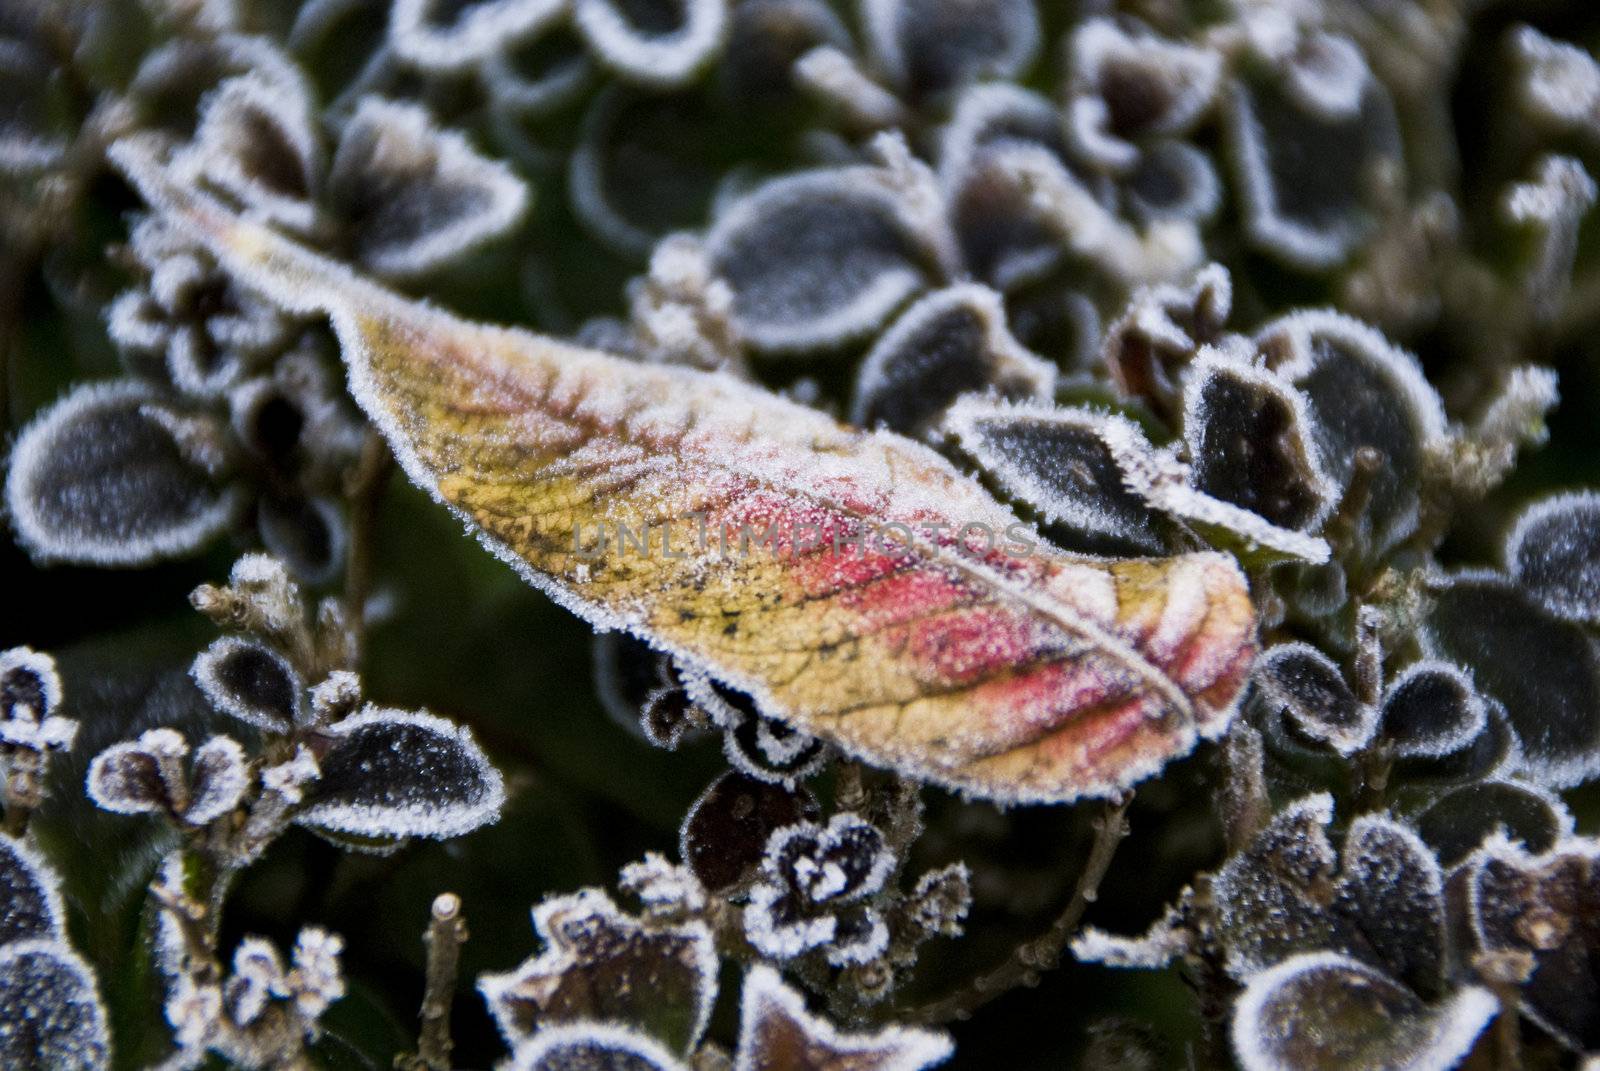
[[1168, 938], [950, 342], [1163, 327], [930, 46], [1431, 710], [1547, 906], [1322, 1010], [415, 195], [1327, 75], [1389, 899], [776, 1033], [251, 682], [1553, 551], [601, 964], [28, 681], [809, 894], [395, 773], [441, 35], [640, 169], [592, 1047], [102, 477], [1307, 181], [219, 775], [172, 79], [54, 1020], [1550, 207], [1008, 646], [656, 42], [1130, 86], [1173, 180], [1459, 822], [1058, 460], [1250, 443], [309, 535], [1311, 689], [765, 40], [768, 750], [1559, 83], [157, 774], [1271, 896], [1545, 671], [725, 832], [1362, 390], [30, 894], [817, 258], [259, 143], [534, 78]]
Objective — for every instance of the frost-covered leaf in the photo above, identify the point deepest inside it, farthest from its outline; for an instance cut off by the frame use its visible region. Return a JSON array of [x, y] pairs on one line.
[[930, 46], [1250, 443], [30, 686], [765, 40], [941, 900], [644, 167], [1462, 820], [810, 890], [601, 964], [1495, 752], [1308, 180], [157, 774], [1061, 462], [655, 42], [756, 745], [1152, 342], [1545, 671], [219, 775], [1173, 180], [1305, 684], [1550, 207], [951, 342], [777, 1033], [251, 682], [725, 833], [1547, 906], [817, 258], [416, 196], [592, 1047], [53, 1020], [537, 77], [1554, 553], [307, 534], [1322, 1010], [1361, 391], [1389, 899], [1168, 938], [107, 476], [1130, 86], [27, 142], [1559, 82], [393, 773], [1431, 709], [1066, 676], [259, 144], [1327, 76], [451, 35], [30, 897]]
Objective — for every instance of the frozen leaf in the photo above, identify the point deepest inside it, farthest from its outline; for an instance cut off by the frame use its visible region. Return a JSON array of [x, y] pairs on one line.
[[951, 342], [810, 890], [416, 196], [1304, 683], [601, 964], [1551, 207], [536, 77], [1459, 822], [157, 774], [930, 46], [725, 833], [1389, 900], [1321, 1010], [941, 900], [251, 682], [1547, 906], [1327, 76], [644, 167], [771, 751], [765, 40], [1545, 671], [30, 687], [307, 534], [592, 1047], [219, 775], [1130, 86], [1495, 752], [1309, 181], [30, 897], [451, 35], [1173, 181], [1010, 671], [104, 477], [1169, 938], [1061, 462], [1559, 83], [1249, 439], [660, 43], [54, 1020], [259, 144], [817, 258], [1271, 897], [1554, 553], [392, 773], [1361, 391], [1430, 710], [776, 1033], [1149, 345]]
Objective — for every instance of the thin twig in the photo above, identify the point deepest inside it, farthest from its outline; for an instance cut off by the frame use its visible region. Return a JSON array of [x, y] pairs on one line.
[[447, 931], [1029, 959]]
